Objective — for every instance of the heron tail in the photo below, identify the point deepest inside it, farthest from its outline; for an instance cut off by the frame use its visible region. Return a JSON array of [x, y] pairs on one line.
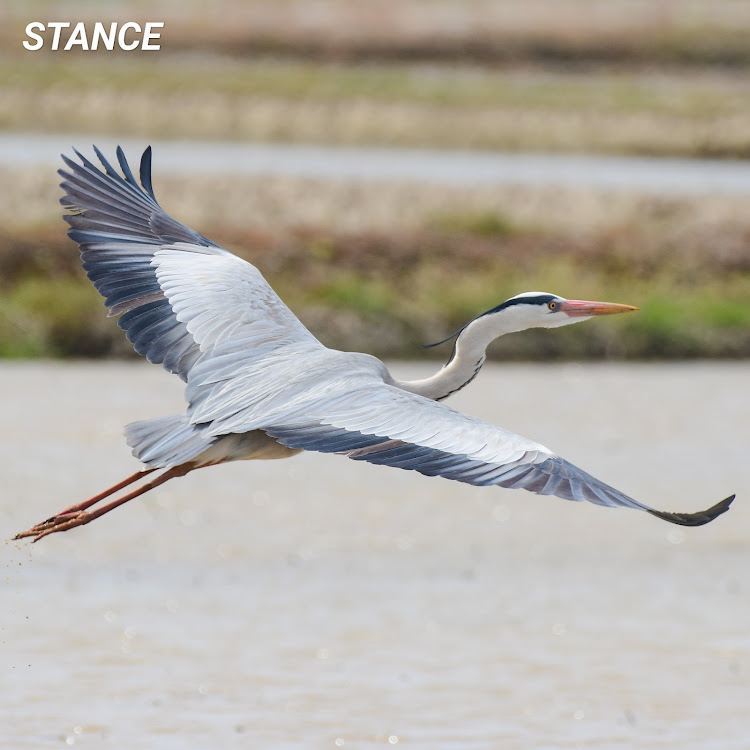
[[166, 441]]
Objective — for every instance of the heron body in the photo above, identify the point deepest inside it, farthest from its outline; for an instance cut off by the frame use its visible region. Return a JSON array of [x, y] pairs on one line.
[[259, 385]]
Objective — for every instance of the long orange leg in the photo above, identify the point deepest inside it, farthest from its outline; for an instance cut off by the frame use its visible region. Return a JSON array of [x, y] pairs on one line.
[[111, 491], [76, 515], [91, 501]]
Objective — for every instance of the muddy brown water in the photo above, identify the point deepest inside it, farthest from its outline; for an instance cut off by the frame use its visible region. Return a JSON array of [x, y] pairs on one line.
[[321, 603]]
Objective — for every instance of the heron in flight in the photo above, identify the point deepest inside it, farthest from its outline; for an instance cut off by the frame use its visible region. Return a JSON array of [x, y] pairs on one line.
[[260, 385]]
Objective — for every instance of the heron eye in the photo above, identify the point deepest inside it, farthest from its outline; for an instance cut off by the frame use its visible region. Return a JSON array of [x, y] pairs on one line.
[[552, 305]]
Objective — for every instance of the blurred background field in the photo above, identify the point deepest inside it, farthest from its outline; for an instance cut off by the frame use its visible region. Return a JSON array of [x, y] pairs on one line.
[[387, 266], [323, 603]]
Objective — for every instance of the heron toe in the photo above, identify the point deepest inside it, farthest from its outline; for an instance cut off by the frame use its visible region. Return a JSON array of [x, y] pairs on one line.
[[61, 522]]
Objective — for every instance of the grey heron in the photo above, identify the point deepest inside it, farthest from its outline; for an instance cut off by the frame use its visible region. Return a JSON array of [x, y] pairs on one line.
[[260, 385]]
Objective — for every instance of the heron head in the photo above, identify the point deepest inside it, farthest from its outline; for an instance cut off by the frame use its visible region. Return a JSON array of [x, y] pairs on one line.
[[544, 310], [531, 310]]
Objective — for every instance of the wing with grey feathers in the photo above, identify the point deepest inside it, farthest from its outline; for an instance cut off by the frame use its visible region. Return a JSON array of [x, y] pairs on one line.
[[382, 424], [211, 318], [179, 294]]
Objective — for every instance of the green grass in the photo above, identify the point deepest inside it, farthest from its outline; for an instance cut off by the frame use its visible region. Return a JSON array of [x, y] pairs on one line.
[[456, 106], [708, 317], [52, 317], [484, 224], [669, 93], [389, 294], [362, 294]]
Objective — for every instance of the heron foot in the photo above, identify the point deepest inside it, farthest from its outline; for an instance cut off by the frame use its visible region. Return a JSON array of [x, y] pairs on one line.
[[61, 522], [78, 515]]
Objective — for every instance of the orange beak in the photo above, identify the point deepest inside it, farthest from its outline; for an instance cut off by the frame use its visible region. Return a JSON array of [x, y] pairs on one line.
[[578, 308]]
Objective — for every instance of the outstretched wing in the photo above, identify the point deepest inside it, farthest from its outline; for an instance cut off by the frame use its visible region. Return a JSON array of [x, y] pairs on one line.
[[382, 424], [179, 294]]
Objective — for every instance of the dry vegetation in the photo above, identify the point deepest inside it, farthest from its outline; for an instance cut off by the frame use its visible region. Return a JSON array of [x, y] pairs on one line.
[[385, 267], [669, 112], [568, 31], [628, 76]]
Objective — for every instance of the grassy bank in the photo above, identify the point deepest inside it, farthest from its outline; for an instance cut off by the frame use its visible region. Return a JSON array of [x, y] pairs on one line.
[[670, 112], [387, 293], [668, 77], [386, 267]]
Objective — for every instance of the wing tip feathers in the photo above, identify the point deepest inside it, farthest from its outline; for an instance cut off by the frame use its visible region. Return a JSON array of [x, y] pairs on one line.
[[145, 172], [698, 518], [145, 168]]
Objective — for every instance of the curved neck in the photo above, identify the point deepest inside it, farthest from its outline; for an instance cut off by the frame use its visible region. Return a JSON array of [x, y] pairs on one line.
[[468, 356]]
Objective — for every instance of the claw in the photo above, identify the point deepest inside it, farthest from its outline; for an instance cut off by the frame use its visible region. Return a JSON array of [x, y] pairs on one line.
[[61, 522]]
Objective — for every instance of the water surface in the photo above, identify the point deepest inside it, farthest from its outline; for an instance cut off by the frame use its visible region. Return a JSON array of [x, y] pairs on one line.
[[668, 176], [323, 603]]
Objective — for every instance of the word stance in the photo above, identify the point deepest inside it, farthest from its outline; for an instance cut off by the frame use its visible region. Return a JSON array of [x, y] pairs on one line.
[[127, 36]]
